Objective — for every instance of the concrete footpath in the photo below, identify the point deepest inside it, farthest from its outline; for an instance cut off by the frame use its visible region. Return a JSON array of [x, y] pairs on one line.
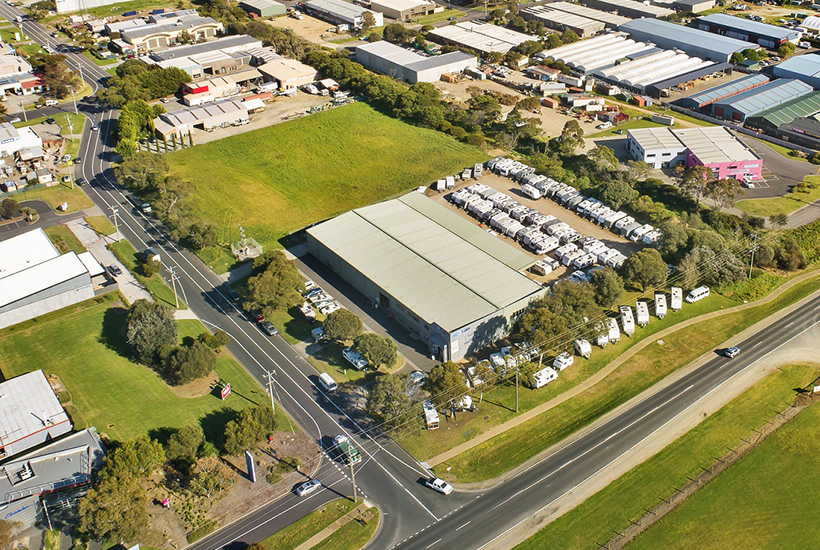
[[595, 379], [333, 527]]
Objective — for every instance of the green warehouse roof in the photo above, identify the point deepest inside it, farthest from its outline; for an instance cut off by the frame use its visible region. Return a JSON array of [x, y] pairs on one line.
[[440, 266], [783, 114]]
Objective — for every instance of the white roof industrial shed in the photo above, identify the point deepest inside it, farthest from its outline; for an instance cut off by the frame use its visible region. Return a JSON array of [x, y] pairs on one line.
[[810, 24], [482, 37], [714, 144], [611, 20], [652, 139], [630, 8], [444, 269], [596, 53], [692, 41], [227, 44], [639, 73], [393, 60], [208, 116], [562, 20], [745, 29], [30, 413], [803, 67], [341, 11]]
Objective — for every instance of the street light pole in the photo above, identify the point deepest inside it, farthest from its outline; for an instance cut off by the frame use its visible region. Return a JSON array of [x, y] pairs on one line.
[[269, 379], [114, 212], [174, 283]]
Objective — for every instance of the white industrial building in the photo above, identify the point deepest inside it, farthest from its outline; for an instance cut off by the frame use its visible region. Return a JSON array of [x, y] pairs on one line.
[[481, 37], [655, 146], [630, 8], [35, 279], [611, 20], [405, 9], [342, 13], [220, 56], [559, 20], [30, 414], [204, 117], [636, 74], [16, 139], [166, 33], [288, 73], [410, 66], [596, 53]]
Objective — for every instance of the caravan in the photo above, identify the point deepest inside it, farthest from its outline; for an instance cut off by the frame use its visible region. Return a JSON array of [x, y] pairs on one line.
[[582, 348], [563, 361], [643, 313], [677, 298], [614, 333], [544, 377], [660, 305], [627, 321]]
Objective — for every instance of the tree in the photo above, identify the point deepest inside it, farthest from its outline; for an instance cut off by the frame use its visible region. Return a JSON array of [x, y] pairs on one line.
[[603, 159], [149, 327], [575, 302], [553, 41], [637, 170], [786, 50], [608, 285], [389, 402], [115, 509], [572, 137], [376, 349], [138, 457], [9, 208], [517, 23], [645, 268], [279, 287], [751, 54], [342, 325], [569, 36], [215, 341], [446, 384], [142, 171], [703, 266], [211, 477], [617, 192], [540, 327], [689, 270], [724, 191], [675, 238], [185, 442], [251, 426], [55, 74], [737, 58], [368, 20], [8, 532], [188, 363], [397, 33], [777, 220], [695, 181]]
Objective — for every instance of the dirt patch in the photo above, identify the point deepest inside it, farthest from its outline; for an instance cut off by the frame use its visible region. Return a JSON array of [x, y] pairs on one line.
[[312, 29], [198, 388]]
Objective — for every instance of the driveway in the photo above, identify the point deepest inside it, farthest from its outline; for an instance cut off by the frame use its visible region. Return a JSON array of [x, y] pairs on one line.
[[781, 173], [48, 218]]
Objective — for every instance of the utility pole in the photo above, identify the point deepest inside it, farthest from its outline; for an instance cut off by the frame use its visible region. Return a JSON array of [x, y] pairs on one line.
[[25, 116], [269, 379], [174, 283], [752, 260], [352, 476], [114, 212], [516, 387]]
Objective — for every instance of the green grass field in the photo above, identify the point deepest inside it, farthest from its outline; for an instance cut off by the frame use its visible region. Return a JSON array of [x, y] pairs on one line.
[[279, 179], [352, 535], [513, 447], [57, 195], [85, 346], [301, 530], [781, 205], [155, 285], [64, 239], [594, 521], [436, 17], [100, 224]]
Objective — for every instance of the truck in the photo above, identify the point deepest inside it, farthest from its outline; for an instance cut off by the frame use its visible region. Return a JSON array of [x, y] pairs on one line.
[[627, 320], [660, 305], [677, 298], [347, 450], [582, 347], [643, 313]]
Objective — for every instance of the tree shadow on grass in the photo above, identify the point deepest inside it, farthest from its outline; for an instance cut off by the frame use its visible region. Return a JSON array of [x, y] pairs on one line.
[[162, 434], [112, 334], [213, 425]]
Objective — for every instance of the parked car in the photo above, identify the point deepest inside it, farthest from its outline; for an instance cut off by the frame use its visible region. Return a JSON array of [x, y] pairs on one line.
[[257, 316], [417, 378], [94, 127], [50, 120], [439, 485], [79, 181], [732, 352], [308, 487], [114, 270], [268, 327], [146, 208]]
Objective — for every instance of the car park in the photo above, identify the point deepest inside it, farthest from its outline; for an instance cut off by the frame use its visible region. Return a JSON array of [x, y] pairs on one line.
[[114, 270], [268, 327], [308, 487], [732, 352], [439, 485]]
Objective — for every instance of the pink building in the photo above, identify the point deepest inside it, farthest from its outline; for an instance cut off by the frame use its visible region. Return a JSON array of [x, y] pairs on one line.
[[717, 148]]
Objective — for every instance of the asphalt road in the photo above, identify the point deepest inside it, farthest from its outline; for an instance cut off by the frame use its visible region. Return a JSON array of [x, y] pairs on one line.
[[413, 516]]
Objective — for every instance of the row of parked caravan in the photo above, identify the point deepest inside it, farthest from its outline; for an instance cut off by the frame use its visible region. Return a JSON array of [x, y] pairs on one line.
[[449, 182], [505, 360], [537, 186]]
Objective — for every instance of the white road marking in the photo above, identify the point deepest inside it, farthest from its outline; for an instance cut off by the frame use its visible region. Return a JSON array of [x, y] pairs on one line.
[[464, 525], [434, 543]]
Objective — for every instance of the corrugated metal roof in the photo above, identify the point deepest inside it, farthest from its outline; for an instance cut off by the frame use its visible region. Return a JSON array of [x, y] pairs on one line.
[[560, 17], [800, 107], [24, 251], [714, 144], [483, 37], [655, 138], [443, 268], [28, 405], [337, 7], [685, 38], [747, 25], [805, 65], [610, 19], [728, 90], [766, 96], [40, 277], [646, 8]]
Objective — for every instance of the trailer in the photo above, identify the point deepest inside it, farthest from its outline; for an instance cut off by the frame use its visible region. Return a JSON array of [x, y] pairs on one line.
[[478, 171], [541, 268], [627, 320], [602, 340], [677, 298], [614, 333], [431, 419], [467, 174], [643, 313], [544, 377], [638, 234], [450, 182], [660, 305], [531, 191], [440, 185], [584, 261], [570, 257], [563, 361], [582, 347]]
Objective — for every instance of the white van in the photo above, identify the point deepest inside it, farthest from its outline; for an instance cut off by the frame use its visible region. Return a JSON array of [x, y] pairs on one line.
[[327, 382], [51, 102], [698, 294]]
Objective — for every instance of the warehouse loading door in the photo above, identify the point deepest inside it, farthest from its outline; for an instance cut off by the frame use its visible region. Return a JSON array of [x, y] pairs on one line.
[[384, 301]]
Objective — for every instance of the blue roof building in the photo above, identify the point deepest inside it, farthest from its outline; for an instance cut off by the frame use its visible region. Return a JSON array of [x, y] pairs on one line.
[[803, 67], [724, 91], [759, 99], [763, 34], [694, 42]]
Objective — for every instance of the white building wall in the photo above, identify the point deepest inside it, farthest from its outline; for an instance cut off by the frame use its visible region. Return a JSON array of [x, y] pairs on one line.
[[47, 305]]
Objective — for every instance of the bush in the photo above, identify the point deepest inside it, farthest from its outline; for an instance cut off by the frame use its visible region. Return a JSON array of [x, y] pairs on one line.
[[202, 531], [216, 340]]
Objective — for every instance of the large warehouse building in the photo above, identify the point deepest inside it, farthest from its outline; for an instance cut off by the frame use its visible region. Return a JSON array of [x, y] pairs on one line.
[[35, 279], [771, 119], [692, 41], [563, 21], [802, 131], [638, 73], [453, 285], [763, 34], [409, 66], [263, 8], [596, 53], [403, 10], [610, 20], [802, 67], [341, 12], [630, 8], [481, 37], [704, 99], [715, 147], [777, 92], [30, 414]]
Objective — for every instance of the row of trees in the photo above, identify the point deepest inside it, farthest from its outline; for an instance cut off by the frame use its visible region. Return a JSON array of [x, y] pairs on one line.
[[55, 74], [136, 122], [136, 80], [345, 326]]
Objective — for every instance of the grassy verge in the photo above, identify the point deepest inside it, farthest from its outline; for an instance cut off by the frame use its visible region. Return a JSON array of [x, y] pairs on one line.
[[57, 195], [647, 367], [352, 535], [436, 17], [785, 151], [100, 224], [498, 405], [100, 62], [610, 510], [64, 239], [105, 387], [322, 165], [120, 8], [62, 120], [782, 205], [299, 531], [219, 258], [161, 292]]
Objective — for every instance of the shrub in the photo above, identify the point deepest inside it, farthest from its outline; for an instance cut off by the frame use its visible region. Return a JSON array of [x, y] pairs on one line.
[[202, 531]]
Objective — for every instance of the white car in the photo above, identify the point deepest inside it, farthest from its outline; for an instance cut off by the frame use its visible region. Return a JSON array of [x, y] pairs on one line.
[[439, 485], [330, 308], [417, 378], [605, 126], [146, 208], [308, 487]]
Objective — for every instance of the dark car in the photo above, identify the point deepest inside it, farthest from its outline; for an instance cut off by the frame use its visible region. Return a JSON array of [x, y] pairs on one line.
[[79, 181], [78, 160], [114, 270], [268, 327], [51, 120]]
